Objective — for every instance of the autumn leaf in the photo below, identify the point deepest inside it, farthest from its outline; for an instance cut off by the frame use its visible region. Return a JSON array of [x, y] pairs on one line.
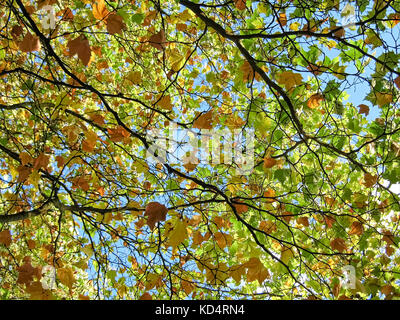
[[26, 272], [115, 24], [155, 212], [66, 277], [118, 133], [42, 161], [204, 121], [81, 47], [178, 234], [240, 4], [267, 226], [363, 109], [256, 270], [99, 10], [356, 228], [269, 162], [158, 40], [370, 180], [338, 244], [315, 100], [240, 207], [397, 82], [29, 43], [5, 237], [289, 79], [383, 98], [303, 221], [165, 103], [23, 173], [146, 296], [282, 19]]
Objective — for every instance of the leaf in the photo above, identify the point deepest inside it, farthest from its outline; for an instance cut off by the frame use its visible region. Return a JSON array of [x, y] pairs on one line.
[[256, 270], [26, 272], [5, 237], [29, 43], [383, 98], [42, 161], [81, 47], [338, 244], [135, 77], [315, 100], [115, 24], [240, 4], [66, 277], [146, 296], [205, 121], [240, 207], [397, 82], [356, 228], [282, 19], [23, 173], [165, 103], [363, 109], [178, 234], [289, 79], [158, 40], [155, 212], [286, 254], [99, 10], [267, 226], [370, 180], [269, 162], [303, 221], [118, 134]]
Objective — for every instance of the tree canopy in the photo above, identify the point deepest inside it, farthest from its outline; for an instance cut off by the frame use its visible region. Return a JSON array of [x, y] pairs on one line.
[[88, 87]]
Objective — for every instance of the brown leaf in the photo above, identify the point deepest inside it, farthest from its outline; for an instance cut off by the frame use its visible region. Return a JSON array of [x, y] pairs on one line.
[[338, 244], [397, 82], [158, 40], [5, 237], [329, 221], [364, 109], [370, 180], [240, 4], [356, 228], [155, 212], [29, 43], [26, 272], [205, 121], [282, 19], [23, 173], [41, 161], [269, 162], [81, 47], [146, 296], [240, 208], [115, 23], [303, 221], [16, 31]]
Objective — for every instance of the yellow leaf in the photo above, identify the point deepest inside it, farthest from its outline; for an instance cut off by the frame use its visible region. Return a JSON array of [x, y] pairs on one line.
[[289, 79], [99, 10], [383, 98], [135, 77], [256, 270], [66, 277], [34, 178], [178, 234], [286, 254]]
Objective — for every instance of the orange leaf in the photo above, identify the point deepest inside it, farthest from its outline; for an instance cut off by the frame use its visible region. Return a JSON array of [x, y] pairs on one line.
[[267, 226], [315, 100], [338, 244], [99, 10], [155, 212], [270, 194], [240, 208], [282, 19], [118, 134], [5, 237], [269, 162], [81, 47], [29, 43], [23, 173]]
